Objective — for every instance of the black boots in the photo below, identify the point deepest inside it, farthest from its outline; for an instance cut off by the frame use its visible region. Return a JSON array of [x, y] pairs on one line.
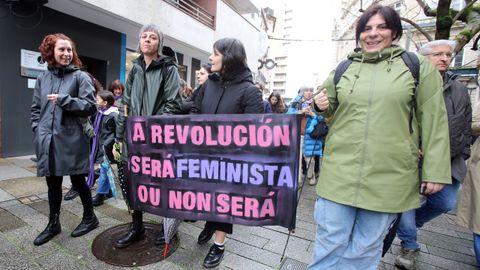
[[214, 256], [136, 231], [205, 235], [88, 223], [99, 198], [53, 228], [70, 195]]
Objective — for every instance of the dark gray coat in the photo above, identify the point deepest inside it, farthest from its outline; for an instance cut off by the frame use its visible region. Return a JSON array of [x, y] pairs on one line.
[[61, 146], [459, 109]]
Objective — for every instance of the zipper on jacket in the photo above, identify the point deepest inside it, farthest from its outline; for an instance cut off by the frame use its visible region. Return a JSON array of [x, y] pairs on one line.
[[365, 132]]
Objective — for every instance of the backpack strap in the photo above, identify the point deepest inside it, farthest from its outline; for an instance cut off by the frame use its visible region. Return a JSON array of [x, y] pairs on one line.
[[341, 68], [413, 64]]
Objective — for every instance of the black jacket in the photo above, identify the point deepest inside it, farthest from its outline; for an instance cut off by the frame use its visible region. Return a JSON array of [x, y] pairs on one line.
[[235, 94], [105, 135], [459, 109], [60, 143]]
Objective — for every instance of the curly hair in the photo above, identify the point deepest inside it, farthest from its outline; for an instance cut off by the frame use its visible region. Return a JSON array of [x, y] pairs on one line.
[[47, 49], [279, 107]]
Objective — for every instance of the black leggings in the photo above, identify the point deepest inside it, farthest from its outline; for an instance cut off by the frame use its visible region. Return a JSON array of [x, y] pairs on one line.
[[54, 184], [306, 162]]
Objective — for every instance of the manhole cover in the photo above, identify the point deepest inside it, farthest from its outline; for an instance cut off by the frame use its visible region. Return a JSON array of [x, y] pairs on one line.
[[140, 253], [291, 264]]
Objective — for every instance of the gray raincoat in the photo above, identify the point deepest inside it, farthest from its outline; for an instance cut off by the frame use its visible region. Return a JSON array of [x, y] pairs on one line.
[[61, 146]]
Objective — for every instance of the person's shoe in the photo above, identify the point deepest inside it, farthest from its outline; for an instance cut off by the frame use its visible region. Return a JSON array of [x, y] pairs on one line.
[[205, 236], [134, 234], [53, 228], [34, 159], [99, 198], [406, 259], [70, 195], [214, 256], [88, 223], [313, 180]]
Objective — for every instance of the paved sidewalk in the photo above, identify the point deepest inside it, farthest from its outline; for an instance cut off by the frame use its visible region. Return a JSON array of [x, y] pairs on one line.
[[24, 212]]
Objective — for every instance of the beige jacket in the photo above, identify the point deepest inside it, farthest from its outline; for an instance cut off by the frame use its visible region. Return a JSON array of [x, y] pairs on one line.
[[468, 213]]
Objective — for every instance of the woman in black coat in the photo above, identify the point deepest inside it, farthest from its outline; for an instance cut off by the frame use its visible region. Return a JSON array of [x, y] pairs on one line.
[[229, 90], [62, 96]]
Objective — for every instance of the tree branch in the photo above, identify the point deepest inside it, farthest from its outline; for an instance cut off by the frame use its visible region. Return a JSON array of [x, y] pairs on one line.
[[420, 29], [427, 9], [461, 12]]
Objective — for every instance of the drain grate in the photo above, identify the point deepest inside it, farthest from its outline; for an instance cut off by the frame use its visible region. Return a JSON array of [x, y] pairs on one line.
[[140, 253], [291, 264]]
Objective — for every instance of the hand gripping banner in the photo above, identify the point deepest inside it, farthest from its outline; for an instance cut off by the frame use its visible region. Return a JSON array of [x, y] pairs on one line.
[[240, 169]]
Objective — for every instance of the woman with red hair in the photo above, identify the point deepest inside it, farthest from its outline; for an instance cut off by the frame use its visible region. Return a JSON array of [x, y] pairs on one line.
[[63, 95]]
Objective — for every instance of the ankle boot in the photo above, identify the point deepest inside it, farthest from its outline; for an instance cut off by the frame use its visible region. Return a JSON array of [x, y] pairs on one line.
[[135, 232], [53, 228], [88, 223]]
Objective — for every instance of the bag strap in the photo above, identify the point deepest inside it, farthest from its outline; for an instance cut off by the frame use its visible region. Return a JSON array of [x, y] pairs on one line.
[[413, 64]]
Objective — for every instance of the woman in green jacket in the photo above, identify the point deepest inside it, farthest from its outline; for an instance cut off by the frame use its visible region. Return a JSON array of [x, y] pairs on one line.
[[370, 167]]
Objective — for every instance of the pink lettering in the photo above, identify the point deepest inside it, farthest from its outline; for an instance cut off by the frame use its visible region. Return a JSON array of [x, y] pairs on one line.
[[134, 164], [238, 139], [175, 199], [156, 133], [182, 134], [237, 206], [138, 134], [142, 193], [169, 134], [210, 140], [197, 135], [222, 201]]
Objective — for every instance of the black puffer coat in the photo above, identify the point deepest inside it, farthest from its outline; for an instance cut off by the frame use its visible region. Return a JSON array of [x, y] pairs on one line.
[[235, 94], [58, 133]]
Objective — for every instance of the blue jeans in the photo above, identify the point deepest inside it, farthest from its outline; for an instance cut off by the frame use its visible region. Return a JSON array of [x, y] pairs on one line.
[[476, 247], [430, 208], [103, 186], [348, 237]]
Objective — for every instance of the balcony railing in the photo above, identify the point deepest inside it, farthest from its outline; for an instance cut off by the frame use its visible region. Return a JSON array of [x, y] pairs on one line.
[[195, 11]]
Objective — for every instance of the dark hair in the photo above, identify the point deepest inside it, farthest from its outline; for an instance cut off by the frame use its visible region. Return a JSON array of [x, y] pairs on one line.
[[279, 107], [207, 67], [391, 17], [47, 49], [117, 84], [107, 96], [234, 56]]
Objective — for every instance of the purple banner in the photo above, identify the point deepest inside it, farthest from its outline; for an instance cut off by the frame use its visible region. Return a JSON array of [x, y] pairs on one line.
[[240, 169]]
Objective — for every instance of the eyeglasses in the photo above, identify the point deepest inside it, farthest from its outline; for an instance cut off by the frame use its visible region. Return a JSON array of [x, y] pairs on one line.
[[440, 54]]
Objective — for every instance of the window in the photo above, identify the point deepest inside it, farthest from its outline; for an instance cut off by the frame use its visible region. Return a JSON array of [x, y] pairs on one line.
[[397, 6], [458, 59]]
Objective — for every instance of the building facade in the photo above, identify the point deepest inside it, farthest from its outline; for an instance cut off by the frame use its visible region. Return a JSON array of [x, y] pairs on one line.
[[106, 36]]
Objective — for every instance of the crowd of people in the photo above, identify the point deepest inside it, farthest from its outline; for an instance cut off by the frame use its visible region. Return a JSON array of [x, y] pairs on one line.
[[385, 139]]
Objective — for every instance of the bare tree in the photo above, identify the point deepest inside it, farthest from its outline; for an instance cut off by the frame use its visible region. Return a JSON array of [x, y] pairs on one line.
[[446, 17]]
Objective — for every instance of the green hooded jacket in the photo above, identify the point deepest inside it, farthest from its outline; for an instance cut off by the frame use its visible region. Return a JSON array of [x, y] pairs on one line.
[[144, 95], [371, 158]]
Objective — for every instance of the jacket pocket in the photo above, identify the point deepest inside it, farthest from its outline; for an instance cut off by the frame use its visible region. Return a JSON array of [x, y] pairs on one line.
[[410, 155]]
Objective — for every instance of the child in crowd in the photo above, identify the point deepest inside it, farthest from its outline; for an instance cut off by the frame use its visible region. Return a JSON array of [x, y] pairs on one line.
[[104, 128]]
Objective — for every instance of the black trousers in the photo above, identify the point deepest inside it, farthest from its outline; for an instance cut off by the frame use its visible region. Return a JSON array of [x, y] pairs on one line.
[[54, 184], [219, 226]]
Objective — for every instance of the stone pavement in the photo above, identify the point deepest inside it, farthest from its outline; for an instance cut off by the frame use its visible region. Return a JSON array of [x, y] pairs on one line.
[[24, 211]]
